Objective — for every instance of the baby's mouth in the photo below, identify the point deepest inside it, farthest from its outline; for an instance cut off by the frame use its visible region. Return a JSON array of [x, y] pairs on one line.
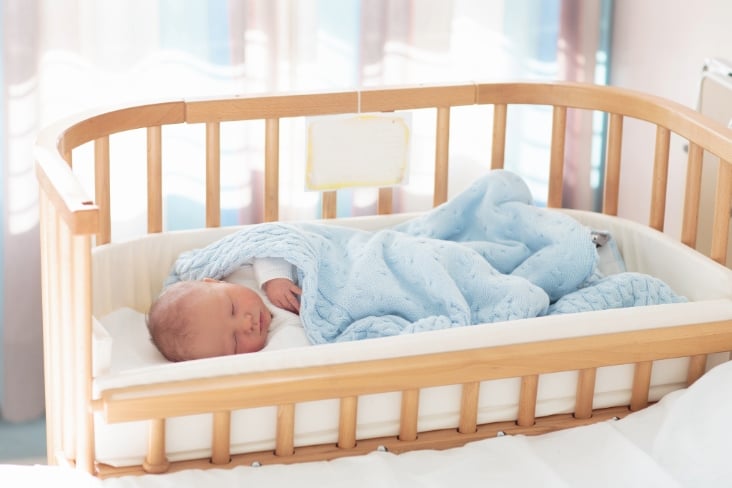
[[264, 319]]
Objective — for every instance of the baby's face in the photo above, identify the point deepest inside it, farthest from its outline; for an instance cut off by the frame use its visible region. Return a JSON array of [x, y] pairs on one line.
[[227, 319]]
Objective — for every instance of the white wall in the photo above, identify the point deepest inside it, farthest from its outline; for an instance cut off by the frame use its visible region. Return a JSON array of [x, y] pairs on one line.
[[659, 46]]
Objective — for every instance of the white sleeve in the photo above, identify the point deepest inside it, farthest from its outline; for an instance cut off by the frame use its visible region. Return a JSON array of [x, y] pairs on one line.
[[266, 269]]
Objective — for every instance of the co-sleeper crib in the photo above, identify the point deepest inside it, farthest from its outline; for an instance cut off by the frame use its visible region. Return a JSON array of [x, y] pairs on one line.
[[76, 231]]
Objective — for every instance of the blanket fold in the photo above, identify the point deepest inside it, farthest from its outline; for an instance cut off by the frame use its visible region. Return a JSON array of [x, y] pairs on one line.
[[485, 256]]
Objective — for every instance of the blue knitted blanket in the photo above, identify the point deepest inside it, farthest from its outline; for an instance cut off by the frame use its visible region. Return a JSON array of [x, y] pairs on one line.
[[485, 256]]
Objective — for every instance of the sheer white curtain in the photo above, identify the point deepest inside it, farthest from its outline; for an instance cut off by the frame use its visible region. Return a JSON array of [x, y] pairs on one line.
[[64, 56]]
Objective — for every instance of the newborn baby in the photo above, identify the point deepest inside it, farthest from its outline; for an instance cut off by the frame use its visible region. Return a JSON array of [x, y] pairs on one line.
[[209, 318]]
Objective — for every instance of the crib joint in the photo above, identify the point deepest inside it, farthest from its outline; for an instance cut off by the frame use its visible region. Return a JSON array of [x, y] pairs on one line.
[[157, 468]]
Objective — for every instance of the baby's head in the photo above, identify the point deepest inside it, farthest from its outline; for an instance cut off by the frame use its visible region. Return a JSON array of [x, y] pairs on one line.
[[208, 318]]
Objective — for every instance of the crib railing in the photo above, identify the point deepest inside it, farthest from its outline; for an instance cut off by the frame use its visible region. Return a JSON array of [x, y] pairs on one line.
[[669, 118], [72, 222], [221, 396]]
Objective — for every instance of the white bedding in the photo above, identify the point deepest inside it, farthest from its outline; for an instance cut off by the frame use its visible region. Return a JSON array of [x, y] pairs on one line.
[[125, 356], [680, 442]]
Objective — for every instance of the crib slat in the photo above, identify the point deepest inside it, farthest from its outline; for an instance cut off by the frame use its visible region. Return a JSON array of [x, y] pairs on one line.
[[498, 144], [221, 441], [385, 201], [285, 443], [527, 400], [442, 148], [347, 422], [65, 331], [469, 408], [156, 460], [612, 164], [101, 188], [82, 321], [720, 227], [556, 164], [213, 174], [641, 385], [692, 195], [271, 170], [660, 178], [409, 415], [154, 179], [697, 367], [585, 393], [51, 313], [329, 204]]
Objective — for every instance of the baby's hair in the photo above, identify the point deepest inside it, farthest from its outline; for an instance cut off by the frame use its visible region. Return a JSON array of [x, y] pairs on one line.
[[168, 320]]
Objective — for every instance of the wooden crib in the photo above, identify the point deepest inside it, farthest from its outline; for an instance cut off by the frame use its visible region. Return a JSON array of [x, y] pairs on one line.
[[73, 222]]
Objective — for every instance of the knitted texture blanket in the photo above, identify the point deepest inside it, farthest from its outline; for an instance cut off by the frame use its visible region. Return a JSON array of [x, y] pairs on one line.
[[486, 255]]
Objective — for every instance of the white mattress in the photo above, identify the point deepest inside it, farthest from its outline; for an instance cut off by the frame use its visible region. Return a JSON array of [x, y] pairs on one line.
[[128, 275]]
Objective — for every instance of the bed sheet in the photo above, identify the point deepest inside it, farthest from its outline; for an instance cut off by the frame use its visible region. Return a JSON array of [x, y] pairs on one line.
[[682, 441]]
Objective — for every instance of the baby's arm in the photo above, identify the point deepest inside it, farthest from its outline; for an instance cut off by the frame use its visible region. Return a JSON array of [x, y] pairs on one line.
[[274, 276]]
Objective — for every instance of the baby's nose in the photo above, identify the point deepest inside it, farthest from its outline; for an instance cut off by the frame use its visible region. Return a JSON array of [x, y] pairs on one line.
[[249, 322]]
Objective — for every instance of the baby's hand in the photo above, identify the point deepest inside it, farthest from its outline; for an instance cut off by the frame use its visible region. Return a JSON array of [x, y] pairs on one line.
[[283, 293]]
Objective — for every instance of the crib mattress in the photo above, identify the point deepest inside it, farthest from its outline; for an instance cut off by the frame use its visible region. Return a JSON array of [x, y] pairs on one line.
[[127, 275]]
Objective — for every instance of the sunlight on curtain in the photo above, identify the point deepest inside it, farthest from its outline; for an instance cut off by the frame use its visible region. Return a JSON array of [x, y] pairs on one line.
[[3, 118], [111, 53], [83, 54], [21, 352]]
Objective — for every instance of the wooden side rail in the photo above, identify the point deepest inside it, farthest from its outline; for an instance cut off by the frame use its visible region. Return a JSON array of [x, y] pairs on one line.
[[409, 436], [415, 372]]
